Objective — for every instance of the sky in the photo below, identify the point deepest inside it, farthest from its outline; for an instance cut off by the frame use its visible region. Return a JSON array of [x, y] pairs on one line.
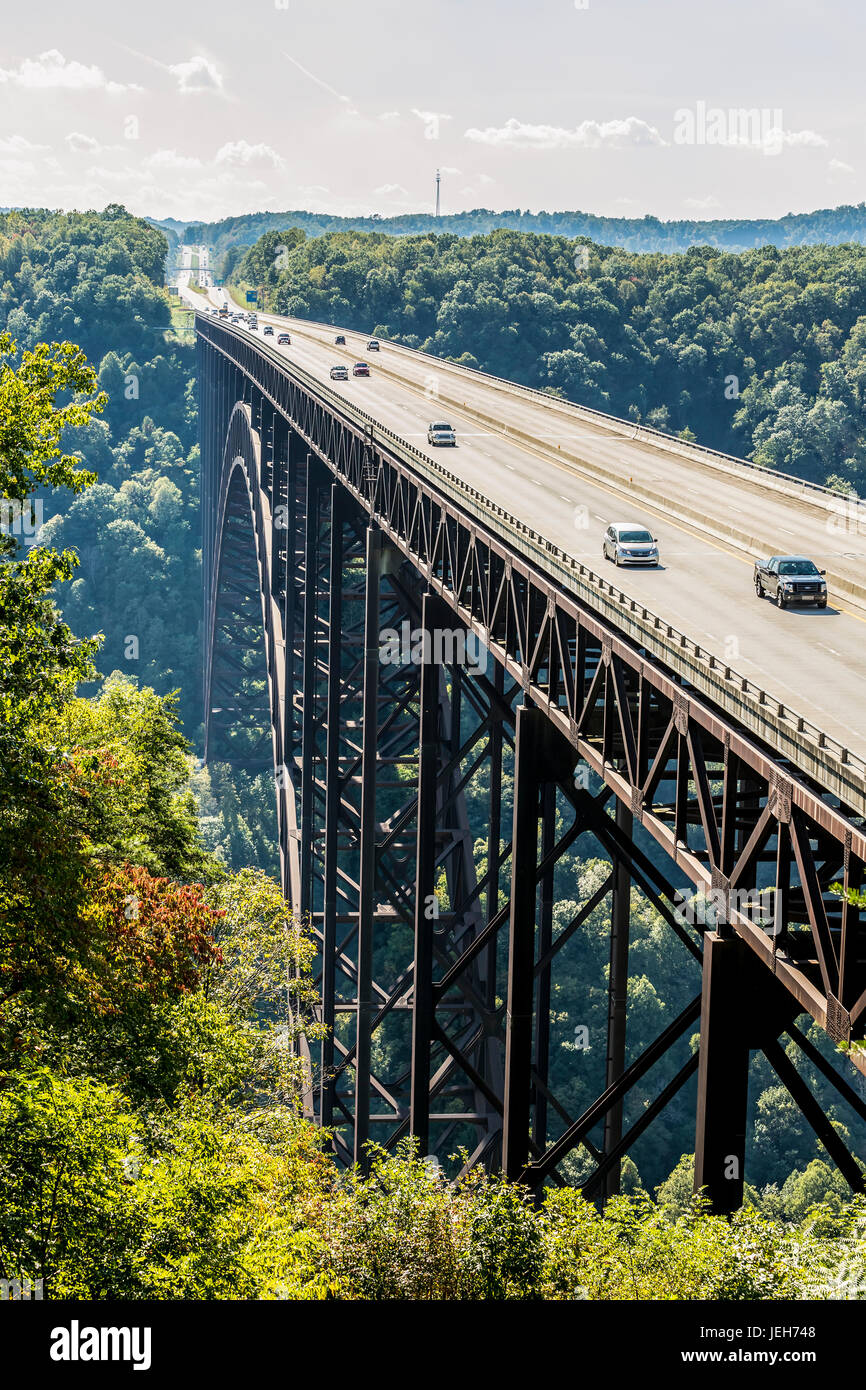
[[673, 108]]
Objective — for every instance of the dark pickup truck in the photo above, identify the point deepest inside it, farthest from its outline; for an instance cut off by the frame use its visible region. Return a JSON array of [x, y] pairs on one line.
[[790, 579]]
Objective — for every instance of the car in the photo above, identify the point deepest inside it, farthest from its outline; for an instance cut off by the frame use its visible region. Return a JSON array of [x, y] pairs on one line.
[[629, 543], [284, 340], [790, 579], [441, 433], [269, 330], [340, 339], [360, 369], [373, 345], [339, 372]]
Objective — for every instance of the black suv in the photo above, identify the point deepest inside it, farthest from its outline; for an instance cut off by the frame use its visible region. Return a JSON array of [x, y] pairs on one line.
[[791, 579]]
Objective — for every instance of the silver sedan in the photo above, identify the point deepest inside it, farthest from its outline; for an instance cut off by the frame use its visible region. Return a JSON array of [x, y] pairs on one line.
[[629, 543]]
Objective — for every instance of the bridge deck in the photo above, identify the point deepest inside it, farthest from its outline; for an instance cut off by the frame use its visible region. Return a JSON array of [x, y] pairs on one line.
[[814, 661]]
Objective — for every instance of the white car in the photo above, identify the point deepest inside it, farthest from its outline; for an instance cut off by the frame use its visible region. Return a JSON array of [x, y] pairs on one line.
[[441, 433], [629, 543]]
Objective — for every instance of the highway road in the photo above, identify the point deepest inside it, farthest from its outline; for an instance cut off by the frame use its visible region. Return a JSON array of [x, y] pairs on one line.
[[812, 660], [187, 273]]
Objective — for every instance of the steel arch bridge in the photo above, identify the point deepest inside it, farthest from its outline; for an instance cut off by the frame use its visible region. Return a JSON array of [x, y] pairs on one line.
[[427, 806]]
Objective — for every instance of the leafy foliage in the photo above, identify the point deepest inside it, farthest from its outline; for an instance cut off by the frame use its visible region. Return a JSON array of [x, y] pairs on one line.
[[141, 808], [97, 279], [101, 1204], [151, 1143], [759, 353]]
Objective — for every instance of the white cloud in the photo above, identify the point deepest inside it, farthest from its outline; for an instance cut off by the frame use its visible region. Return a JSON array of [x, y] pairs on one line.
[[52, 70], [589, 135], [810, 138], [391, 190], [389, 116], [776, 139], [196, 75], [485, 178], [702, 204], [82, 144], [19, 144], [745, 128], [17, 168], [449, 169], [170, 159], [240, 154]]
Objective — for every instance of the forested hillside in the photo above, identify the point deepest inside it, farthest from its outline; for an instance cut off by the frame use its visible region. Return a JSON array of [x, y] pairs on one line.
[[151, 976], [151, 1141], [229, 236], [97, 280], [761, 354]]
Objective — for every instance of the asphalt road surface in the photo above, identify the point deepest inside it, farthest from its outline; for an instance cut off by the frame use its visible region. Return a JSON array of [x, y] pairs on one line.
[[813, 660]]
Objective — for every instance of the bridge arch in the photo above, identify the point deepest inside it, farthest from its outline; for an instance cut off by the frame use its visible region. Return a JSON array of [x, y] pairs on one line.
[[245, 520]]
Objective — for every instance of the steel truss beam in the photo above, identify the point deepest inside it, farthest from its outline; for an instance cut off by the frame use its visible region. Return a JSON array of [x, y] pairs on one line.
[[375, 833]]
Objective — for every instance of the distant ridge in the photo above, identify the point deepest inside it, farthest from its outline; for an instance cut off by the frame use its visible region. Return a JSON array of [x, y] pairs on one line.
[[829, 226]]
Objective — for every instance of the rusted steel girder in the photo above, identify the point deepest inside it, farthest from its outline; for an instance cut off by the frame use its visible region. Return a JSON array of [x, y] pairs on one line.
[[465, 1008]]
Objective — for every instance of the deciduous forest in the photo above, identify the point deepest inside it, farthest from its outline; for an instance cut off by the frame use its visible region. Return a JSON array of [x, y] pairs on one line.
[[152, 979], [761, 354]]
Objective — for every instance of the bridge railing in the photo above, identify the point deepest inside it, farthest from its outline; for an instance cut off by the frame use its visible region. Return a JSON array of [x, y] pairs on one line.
[[844, 771]]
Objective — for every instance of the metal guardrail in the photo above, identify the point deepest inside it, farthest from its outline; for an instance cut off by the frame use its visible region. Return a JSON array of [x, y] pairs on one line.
[[701, 660], [698, 453]]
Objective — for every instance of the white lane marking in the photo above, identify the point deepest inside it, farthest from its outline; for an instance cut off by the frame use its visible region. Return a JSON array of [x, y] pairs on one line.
[[597, 517], [535, 480], [829, 649], [510, 469], [564, 498], [786, 531]]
